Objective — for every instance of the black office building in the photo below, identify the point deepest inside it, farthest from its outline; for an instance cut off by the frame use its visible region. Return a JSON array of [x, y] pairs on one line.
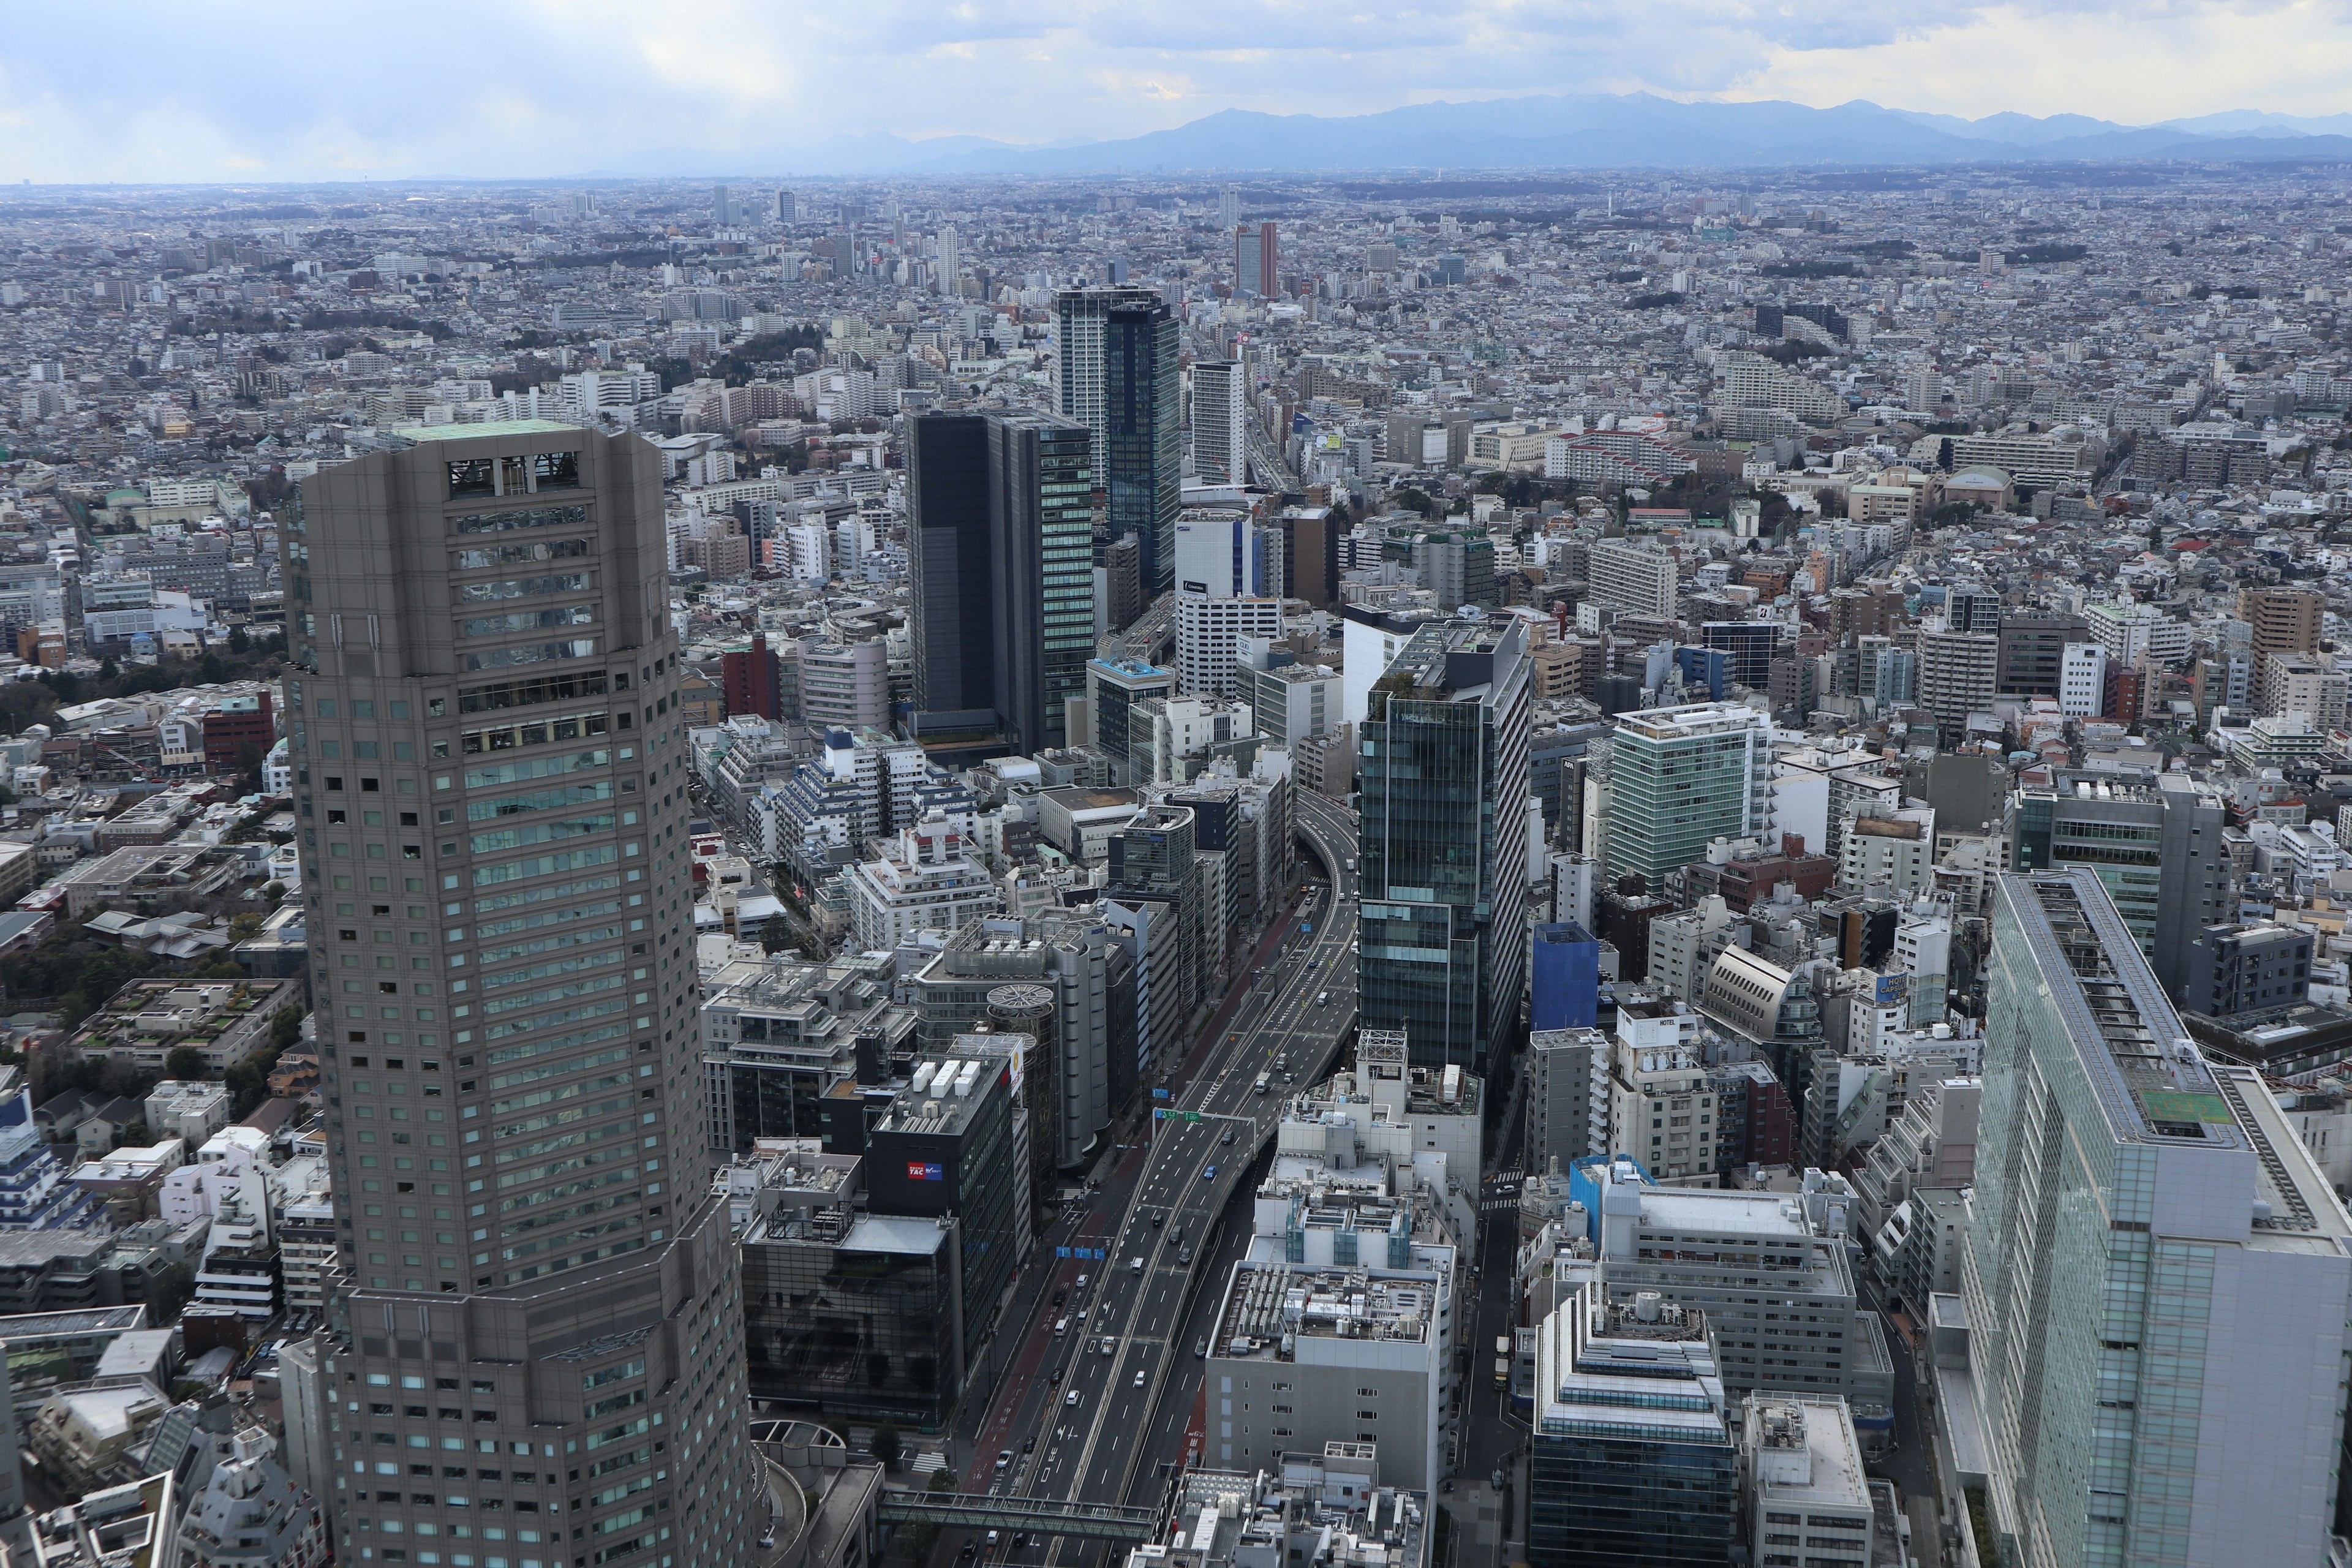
[[1142, 435], [1003, 562]]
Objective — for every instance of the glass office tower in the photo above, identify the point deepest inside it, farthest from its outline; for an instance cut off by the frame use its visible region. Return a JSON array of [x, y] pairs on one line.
[[1444, 760], [2157, 1276], [535, 1340], [1003, 562], [1116, 372], [1681, 778], [1143, 440]]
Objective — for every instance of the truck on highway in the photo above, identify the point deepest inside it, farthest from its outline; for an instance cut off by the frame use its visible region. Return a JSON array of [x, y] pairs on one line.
[[1263, 1079]]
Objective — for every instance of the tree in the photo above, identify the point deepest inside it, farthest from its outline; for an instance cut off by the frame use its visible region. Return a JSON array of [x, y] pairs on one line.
[[886, 1445], [186, 1063]]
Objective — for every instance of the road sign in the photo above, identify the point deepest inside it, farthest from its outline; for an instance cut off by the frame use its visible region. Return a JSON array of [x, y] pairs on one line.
[[1159, 1094]]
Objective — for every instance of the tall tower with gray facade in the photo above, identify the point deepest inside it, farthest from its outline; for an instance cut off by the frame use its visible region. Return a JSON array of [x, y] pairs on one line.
[[537, 1324]]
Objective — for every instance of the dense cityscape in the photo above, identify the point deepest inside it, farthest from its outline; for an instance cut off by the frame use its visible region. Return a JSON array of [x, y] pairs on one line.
[[1391, 870]]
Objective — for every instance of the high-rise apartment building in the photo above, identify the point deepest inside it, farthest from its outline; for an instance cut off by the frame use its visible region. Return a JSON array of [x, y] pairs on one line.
[[2305, 684], [949, 261], [2157, 1276], [2286, 620], [1002, 569], [1117, 373], [1220, 407], [1443, 758], [1632, 577], [1956, 677], [537, 1291], [1229, 208], [1683, 777]]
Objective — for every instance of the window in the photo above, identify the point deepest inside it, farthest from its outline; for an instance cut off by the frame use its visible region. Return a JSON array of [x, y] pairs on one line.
[[472, 477]]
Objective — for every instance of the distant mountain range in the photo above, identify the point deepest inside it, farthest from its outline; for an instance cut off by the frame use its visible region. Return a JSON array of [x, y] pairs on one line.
[[1572, 132]]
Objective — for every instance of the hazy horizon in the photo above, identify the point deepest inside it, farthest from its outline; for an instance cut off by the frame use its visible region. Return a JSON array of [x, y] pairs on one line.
[[241, 92]]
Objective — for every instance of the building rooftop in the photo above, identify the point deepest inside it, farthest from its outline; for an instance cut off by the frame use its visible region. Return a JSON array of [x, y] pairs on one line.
[[1269, 1308], [490, 429], [2152, 1083], [1806, 1454]]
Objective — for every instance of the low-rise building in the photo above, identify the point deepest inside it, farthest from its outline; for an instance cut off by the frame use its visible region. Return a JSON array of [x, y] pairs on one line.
[[1808, 1503], [191, 1112], [1324, 1508], [849, 1313], [224, 1020]]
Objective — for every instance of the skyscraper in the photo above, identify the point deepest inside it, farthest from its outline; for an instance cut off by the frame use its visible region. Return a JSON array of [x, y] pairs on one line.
[[1256, 270], [1003, 562], [1443, 756], [1143, 445], [2158, 1274], [1229, 208], [1220, 405], [1116, 372], [723, 205], [951, 261], [491, 779], [1682, 778]]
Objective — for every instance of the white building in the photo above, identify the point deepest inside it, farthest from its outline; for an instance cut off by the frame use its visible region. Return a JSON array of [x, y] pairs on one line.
[[1219, 412], [1801, 1483], [2082, 681], [190, 1111], [927, 882], [1633, 577], [2132, 632], [1894, 851], [1208, 637]]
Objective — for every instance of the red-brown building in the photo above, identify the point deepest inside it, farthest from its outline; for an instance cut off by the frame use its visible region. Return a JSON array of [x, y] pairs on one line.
[[753, 680], [229, 730]]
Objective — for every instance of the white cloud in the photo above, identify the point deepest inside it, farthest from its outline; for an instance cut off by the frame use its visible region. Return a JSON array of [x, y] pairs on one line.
[[249, 88]]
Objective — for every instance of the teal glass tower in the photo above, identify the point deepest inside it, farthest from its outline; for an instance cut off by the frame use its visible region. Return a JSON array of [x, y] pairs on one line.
[[1443, 757]]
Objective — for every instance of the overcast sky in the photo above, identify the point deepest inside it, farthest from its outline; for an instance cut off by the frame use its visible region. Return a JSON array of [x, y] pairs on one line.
[[237, 89]]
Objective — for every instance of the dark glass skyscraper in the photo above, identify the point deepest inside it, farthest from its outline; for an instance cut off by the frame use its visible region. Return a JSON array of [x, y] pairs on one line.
[[1142, 438], [534, 1288], [1116, 372], [1003, 530], [1444, 790]]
